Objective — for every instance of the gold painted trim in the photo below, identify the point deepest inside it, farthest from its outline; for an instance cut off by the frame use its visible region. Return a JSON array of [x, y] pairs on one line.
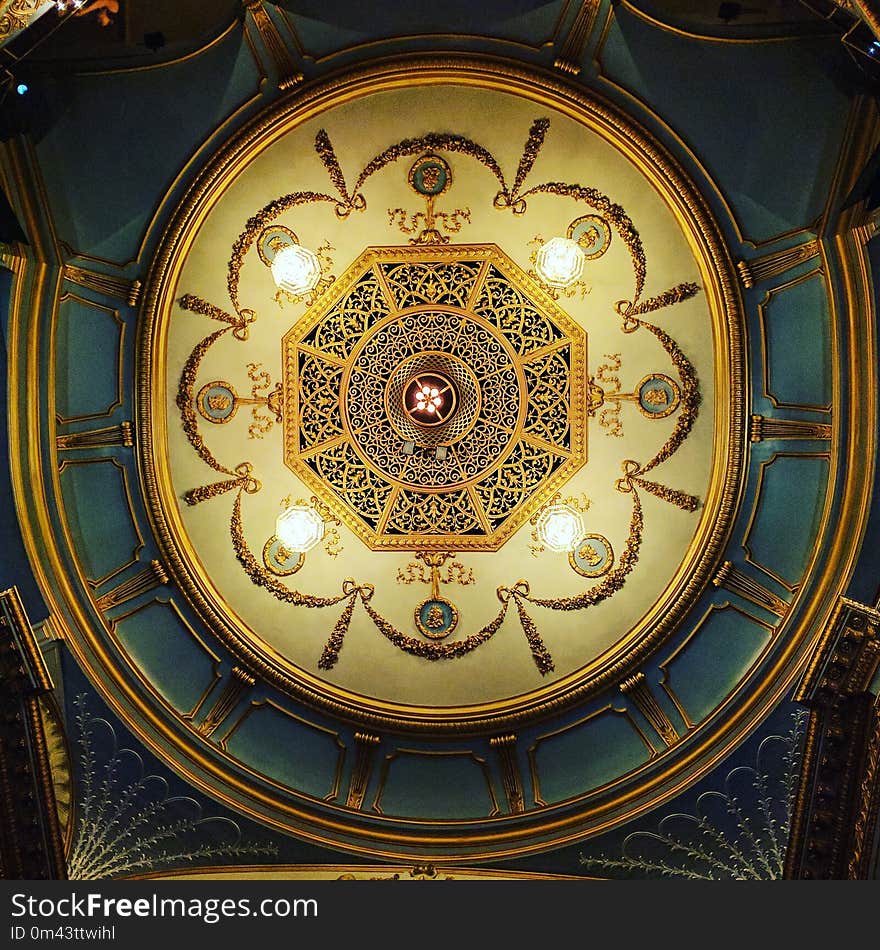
[[458, 38], [70, 253], [724, 301], [112, 629], [95, 583], [709, 38], [183, 58], [256, 704], [665, 665], [268, 872], [532, 753], [686, 149], [705, 750]]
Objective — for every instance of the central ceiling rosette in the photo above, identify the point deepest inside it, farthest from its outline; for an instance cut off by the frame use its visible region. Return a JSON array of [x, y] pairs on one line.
[[435, 399]]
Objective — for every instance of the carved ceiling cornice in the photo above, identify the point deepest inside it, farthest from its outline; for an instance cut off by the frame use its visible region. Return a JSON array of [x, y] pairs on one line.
[[837, 802]]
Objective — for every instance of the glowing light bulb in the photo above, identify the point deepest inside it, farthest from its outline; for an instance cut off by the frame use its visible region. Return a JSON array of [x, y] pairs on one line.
[[296, 269], [299, 528], [560, 262], [560, 527]]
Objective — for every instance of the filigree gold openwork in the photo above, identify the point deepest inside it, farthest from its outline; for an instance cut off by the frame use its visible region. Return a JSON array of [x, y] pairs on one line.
[[468, 314]]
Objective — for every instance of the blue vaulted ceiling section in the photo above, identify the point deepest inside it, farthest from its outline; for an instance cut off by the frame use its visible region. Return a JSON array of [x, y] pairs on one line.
[[759, 126]]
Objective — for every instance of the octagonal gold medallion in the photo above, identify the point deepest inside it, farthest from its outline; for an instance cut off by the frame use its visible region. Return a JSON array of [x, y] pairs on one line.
[[434, 397]]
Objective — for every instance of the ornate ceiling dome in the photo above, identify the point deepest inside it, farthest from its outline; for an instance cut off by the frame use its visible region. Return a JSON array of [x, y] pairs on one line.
[[545, 396], [442, 533]]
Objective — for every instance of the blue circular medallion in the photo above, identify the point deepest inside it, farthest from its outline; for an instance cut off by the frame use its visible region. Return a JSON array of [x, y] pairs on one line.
[[592, 234], [430, 176], [436, 618], [592, 556], [279, 561], [658, 396], [217, 402]]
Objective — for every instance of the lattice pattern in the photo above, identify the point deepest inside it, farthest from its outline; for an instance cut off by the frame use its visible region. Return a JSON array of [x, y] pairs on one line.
[[517, 369], [418, 513], [341, 329], [449, 284], [509, 485], [320, 418], [548, 382], [502, 303], [360, 489]]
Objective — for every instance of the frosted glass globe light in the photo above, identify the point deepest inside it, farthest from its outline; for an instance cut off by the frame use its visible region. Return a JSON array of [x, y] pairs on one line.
[[560, 262], [296, 269], [560, 528], [299, 528]]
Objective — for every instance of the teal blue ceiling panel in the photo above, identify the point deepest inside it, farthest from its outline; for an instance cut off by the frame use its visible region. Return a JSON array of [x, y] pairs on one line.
[[796, 343], [435, 785], [791, 497], [88, 360], [287, 749], [325, 28], [141, 148], [703, 670], [766, 118], [98, 504], [585, 755], [160, 642]]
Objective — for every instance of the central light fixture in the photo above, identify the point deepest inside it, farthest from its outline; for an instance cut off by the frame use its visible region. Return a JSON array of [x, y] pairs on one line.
[[429, 399], [560, 527], [299, 528], [560, 262], [296, 269]]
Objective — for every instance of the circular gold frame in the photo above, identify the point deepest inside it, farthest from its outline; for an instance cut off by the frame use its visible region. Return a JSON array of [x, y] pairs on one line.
[[512, 356], [131, 697], [436, 438], [725, 305], [676, 402]]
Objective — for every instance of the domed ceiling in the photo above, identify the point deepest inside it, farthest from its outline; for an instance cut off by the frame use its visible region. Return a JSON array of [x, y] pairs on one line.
[[386, 534], [605, 396]]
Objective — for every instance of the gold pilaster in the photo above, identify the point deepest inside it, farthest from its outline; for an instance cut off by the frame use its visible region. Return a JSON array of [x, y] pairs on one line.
[[749, 589], [637, 689], [120, 288], [96, 438], [505, 746], [145, 580], [364, 750], [569, 59], [763, 428], [239, 682], [288, 74], [772, 265]]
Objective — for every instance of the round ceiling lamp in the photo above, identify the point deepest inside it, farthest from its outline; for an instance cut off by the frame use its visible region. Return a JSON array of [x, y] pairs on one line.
[[560, 262], [430, 399], [299, 528], [560, 527], [296, 269]]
